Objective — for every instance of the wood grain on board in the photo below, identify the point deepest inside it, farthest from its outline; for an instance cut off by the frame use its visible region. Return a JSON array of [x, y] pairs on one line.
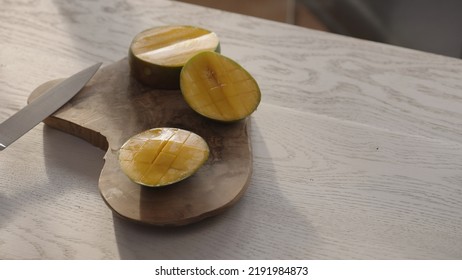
[[114, 106]]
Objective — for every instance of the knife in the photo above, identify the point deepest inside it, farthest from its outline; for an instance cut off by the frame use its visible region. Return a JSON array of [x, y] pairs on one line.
[[45, 105]]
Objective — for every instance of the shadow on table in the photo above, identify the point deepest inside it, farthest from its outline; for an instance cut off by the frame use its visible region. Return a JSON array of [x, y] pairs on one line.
[[68, 155], [248, 230], [5, 210]]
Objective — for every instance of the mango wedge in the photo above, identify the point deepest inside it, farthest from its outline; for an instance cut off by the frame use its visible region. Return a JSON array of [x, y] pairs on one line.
[[157, 55], [162, 156], [219, 88]]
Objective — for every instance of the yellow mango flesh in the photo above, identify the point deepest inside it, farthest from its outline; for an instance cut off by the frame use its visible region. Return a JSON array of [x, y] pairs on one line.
[[172, 45], [218, 87], [162, 156], [157, 55]]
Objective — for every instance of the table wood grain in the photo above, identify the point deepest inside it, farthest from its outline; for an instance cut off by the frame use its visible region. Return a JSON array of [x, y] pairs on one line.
[[357, 145]]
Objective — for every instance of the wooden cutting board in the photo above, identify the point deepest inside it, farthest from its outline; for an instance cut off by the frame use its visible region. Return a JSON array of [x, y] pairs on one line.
[[113, 106]]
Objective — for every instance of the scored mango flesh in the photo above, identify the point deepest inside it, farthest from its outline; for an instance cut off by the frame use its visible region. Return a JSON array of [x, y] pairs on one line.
[[162, 156], [218, 87], [172, 45]]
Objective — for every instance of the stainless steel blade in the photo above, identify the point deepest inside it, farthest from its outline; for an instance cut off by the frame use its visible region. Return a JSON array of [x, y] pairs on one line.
[[45, 105]]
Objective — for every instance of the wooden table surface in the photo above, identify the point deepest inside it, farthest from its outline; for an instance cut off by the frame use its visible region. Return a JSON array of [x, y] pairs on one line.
[[357, 145]]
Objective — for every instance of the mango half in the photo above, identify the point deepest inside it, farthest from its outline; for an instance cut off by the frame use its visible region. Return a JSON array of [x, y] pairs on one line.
[[219, 88], [157, 55], [162, 156]]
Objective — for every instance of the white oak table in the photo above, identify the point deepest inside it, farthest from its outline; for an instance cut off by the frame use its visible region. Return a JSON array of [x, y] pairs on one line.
[[357, 145]]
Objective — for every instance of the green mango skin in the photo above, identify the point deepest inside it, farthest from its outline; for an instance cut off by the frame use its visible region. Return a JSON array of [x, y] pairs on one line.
[[156, 76], [161, 77]]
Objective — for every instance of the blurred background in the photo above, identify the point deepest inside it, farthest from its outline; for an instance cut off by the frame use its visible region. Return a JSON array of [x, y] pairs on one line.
[[427, 25]]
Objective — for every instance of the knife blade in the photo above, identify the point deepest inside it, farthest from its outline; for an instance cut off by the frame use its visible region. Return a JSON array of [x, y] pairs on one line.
[[46, 104]]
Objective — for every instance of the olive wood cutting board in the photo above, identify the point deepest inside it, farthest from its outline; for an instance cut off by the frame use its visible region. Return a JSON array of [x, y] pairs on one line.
[[114, 106]]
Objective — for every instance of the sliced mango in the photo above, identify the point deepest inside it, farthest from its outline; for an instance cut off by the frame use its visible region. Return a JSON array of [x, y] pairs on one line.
[[157, 55], [162, 156], [219, 88]]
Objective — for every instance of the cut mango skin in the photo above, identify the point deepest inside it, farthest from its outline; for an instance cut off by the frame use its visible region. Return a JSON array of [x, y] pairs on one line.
[[219, 88], [162, 156], [157, 55]]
